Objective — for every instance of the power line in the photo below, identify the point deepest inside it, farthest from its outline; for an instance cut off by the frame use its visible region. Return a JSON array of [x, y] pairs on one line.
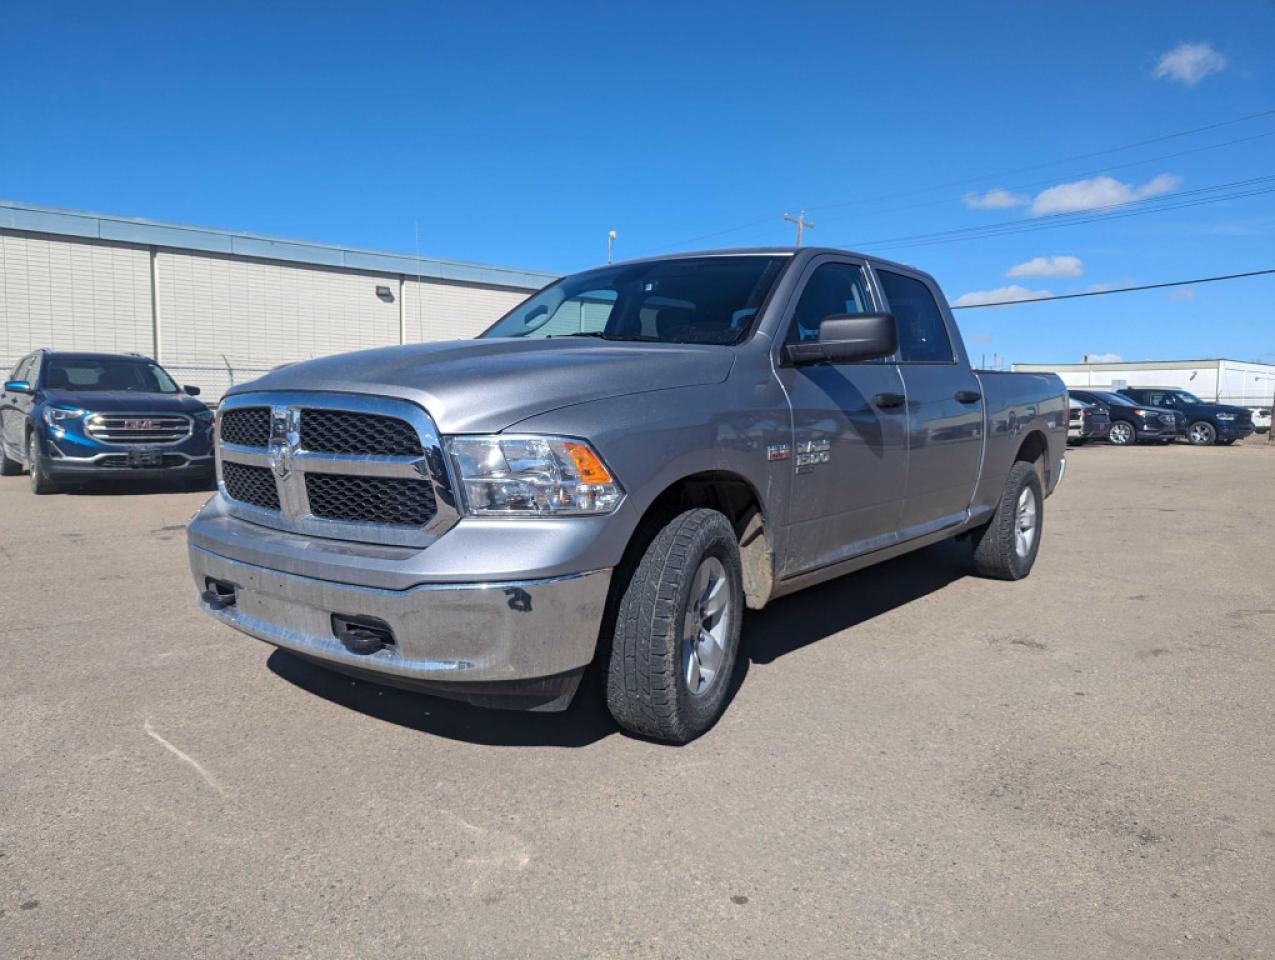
[[976, 179], [1104, 293]]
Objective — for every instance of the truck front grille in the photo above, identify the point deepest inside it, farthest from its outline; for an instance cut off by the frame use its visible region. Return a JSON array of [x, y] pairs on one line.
[[248, 484], [390, 500], [341, 431], [138, 427], [335, 465], [246, 426]]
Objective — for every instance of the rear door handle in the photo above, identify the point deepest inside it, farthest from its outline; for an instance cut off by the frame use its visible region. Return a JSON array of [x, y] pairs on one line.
[[886, 400], [968, 396]]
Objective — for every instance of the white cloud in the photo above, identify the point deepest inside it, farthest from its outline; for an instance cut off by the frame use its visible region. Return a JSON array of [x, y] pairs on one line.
[[997, 198], [1098, 192], [1103, 358], [1065, 266], [1012, 293], [1182, 293], [1190, 63]]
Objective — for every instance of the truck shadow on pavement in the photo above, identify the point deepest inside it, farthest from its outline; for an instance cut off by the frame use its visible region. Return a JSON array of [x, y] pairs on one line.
[[784, 626]]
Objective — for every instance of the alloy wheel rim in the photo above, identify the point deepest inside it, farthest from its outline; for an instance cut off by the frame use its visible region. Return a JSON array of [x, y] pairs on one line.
[[706, 627], [1025, 523], [1121, 432], [1200, 433]]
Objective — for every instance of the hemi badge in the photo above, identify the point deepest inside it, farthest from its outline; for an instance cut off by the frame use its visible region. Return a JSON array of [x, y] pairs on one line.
[[777, 451]]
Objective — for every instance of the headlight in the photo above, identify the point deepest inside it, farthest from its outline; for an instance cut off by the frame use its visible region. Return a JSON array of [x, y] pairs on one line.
[[204, 416], [1226, 416], [532, 476], [55, 415]]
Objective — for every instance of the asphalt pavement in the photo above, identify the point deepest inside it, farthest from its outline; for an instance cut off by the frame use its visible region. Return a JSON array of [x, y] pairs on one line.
[[917, 763]]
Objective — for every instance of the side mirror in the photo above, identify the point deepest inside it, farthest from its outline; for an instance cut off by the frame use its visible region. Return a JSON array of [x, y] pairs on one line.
[[845, 337], [190, 391], [18, 386]]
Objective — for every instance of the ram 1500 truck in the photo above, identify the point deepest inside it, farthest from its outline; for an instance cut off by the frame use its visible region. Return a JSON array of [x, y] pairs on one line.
[[612, 473]]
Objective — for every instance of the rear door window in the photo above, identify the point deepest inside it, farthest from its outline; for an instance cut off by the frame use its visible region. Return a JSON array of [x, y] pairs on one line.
[[922, 333]]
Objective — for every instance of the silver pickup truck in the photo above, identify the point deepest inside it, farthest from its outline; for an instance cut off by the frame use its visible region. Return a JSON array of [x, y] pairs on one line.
[[612, 473]]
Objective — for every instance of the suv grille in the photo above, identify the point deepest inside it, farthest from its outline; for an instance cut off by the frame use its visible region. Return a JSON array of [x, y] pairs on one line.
[[246, 426], [254, 485], [390, 500], [341, 431], [138, 427]]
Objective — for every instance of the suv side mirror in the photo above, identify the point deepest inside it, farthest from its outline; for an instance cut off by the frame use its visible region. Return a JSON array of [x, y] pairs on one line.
[[845, 337], [190, 391], [18, 386]]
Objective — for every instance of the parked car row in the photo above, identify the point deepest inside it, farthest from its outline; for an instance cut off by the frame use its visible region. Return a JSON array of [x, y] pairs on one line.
[[1154, 414]]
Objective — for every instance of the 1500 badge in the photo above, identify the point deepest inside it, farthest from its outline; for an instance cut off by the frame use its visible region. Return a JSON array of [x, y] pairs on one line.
[[811, 453]]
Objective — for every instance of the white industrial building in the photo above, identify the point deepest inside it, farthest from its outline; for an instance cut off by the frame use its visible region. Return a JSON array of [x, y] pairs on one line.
[[218, 307], [1243, 383]]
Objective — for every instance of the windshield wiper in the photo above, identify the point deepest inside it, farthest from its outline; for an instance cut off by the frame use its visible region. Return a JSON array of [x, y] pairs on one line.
[[608, 336]]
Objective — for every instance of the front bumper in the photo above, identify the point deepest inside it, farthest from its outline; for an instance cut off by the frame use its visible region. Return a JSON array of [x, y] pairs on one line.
[[1234, 431], [510, 643]]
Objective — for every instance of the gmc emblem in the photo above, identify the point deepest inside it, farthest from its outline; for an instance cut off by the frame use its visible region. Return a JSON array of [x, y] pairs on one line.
[[139, 424]]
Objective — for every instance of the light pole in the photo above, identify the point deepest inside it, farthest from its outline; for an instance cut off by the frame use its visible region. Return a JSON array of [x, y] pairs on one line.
[[610, 243]]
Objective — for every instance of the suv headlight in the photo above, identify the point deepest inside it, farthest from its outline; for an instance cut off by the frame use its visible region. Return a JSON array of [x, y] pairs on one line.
[[54, 416], [204, 416], [532, 476]]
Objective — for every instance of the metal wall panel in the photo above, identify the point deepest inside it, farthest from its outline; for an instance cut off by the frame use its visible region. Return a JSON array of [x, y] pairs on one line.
[[434, 310], [72, 295]]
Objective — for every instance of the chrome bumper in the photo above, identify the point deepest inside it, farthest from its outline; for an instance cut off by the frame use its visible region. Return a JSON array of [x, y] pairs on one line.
[[448, 632]]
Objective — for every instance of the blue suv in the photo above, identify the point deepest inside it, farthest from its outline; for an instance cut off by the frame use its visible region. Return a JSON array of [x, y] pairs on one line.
[[85, 416]]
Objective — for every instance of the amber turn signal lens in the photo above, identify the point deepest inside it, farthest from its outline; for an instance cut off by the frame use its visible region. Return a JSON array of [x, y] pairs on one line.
[[587, 462]]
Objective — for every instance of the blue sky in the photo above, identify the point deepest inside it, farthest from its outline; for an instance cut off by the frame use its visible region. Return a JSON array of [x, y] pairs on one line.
[[521, 133]]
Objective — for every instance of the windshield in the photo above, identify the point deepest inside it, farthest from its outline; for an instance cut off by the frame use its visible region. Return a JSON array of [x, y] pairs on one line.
[[686, 300], [107, 374], [1115, 400]]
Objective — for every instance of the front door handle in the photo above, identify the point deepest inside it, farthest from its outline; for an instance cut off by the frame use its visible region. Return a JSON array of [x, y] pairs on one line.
[[886, 400], [968, 396]]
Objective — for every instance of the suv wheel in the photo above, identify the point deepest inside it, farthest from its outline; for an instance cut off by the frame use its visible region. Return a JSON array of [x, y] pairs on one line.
[[1006, 548], [677, 630], [1202, 434], [1122, 433], [8, 466], [41, 482]]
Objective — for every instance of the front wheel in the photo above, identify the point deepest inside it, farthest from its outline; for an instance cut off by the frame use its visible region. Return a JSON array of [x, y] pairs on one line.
[[677, 630], [1202, 434], [1122, 434], [41, 482], [1006, 548]]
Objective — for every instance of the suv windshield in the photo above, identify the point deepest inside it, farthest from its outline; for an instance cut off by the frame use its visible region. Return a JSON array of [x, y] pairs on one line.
[[1115, 400], [106, 373], [685, 300]]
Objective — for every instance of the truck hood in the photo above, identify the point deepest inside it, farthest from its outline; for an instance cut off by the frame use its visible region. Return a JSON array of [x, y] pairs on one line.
[[107, 401], [484, 386]]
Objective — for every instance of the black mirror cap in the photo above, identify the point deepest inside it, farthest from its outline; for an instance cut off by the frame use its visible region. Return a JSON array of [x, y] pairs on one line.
[[847, 337], [190, 391], [18, 386]]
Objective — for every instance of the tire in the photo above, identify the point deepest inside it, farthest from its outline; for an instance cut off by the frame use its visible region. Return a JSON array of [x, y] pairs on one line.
[[1004, 549], [653, 664], [8, 466], [1201, 434], [1122, 434], [41, 482]]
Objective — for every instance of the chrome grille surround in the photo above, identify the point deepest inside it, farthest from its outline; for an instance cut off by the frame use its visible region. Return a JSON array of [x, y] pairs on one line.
[[291, 463], [152, 429]]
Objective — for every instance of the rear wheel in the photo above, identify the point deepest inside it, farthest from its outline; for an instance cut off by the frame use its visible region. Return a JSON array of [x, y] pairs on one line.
[[1006, 548], [41, 482], [676, 637], [1122, 434], [1201, 433], [8, 466]]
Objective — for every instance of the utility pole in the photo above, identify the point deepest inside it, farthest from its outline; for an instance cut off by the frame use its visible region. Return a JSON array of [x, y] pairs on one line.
[[801, 222], [610, 243]]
